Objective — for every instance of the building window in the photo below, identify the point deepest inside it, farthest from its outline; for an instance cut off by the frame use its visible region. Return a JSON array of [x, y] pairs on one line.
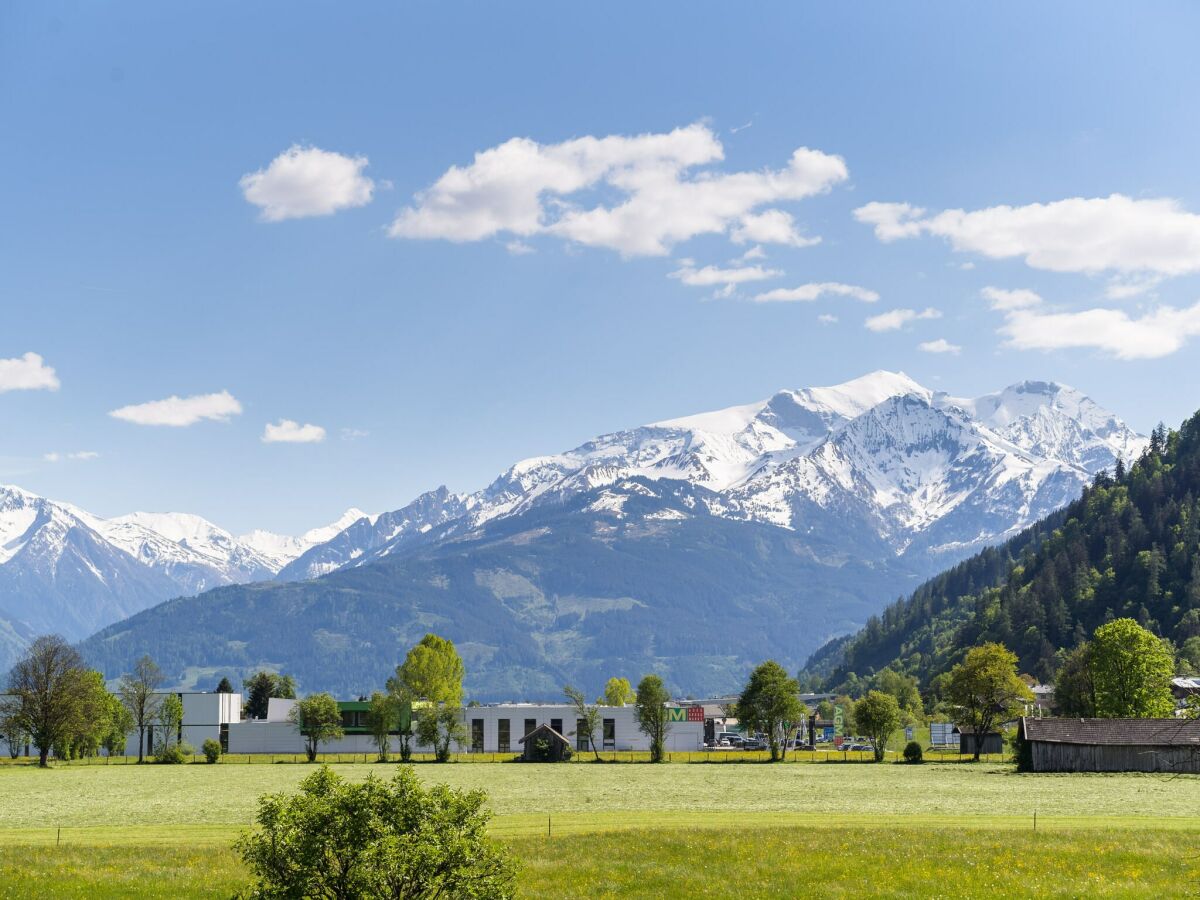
[[556, 724], [502, 736], [530, 724], [581, 734], [477, 735], [610, 734]]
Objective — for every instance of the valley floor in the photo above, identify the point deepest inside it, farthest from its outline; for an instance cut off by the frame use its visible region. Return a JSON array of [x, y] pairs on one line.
[[638, 830]]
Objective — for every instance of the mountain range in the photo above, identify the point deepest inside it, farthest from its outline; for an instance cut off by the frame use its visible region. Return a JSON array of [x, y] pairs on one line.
[[694, 546]]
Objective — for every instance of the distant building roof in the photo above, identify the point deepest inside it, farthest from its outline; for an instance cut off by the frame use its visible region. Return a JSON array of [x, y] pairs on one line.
[[1127, 732], [547, 729]]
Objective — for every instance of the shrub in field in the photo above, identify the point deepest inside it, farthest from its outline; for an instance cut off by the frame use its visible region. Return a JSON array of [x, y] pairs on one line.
[[212, 750], [913, 752], [375, 838], [173, 754]]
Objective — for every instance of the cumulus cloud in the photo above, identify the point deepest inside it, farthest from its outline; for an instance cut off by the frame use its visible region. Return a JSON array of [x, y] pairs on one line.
[[179, 412], [816, 290], [524, 188], [519, 248], [27, 373], [827, 319], [1091, 235], [307, 181], [895, 319], [1155, 334], [78, 455], [1001, 299], [941, 345], [772, 226], [710, 276], [285, 431]]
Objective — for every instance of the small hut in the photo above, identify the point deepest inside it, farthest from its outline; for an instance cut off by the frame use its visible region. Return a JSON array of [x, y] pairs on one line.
[[968, 738], [544, 744], [1110, 745]]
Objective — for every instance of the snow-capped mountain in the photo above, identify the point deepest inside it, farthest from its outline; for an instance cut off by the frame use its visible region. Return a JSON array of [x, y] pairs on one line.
[[282, 549], [65, 570], [880, 459]]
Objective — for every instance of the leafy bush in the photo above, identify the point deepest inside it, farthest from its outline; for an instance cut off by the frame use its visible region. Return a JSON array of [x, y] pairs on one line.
[[913, 752], [212, 750], [375, 838], [173, 754]]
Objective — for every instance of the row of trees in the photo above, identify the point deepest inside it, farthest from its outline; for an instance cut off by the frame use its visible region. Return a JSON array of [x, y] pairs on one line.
[[58, 705]]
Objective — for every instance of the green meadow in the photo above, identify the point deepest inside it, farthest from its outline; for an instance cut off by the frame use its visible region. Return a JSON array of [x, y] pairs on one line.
[[640, 830]]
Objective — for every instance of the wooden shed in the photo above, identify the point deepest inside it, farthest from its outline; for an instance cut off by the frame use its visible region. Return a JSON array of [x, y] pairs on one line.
[[544, 744], [1110, 745], [968, 737]]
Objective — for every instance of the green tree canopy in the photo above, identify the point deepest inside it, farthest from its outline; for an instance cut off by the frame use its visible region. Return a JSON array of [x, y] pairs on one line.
[[1131, 671], [261, 687], [587, 716], [224, 686], [1074, 691], [651, 714], [618, 692], [984, 690], [137, 692], [433, 671], [382, 719], [343, 840], [877, 715], [48, 692], [770, 703], [318, 719]]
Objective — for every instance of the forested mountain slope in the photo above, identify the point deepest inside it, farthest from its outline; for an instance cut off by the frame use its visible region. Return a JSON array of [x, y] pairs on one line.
[[1129, 546]]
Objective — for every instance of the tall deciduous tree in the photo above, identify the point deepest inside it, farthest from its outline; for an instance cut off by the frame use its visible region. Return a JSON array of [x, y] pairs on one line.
[[137, 692], [877, 715], [985, 690], [618, 692], [1074, 690], [382, 719], [1131, 671], [318, 719], [432, 674], [170, 718], [650, 710], [47, 691], [587, 717], [770, 703]]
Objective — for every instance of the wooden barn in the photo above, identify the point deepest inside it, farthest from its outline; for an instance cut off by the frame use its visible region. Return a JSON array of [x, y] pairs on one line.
[[544, 744], [1110, 745], [968, 737]]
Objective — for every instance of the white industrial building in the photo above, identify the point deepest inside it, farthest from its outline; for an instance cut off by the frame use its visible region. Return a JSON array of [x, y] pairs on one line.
[[496, 728]]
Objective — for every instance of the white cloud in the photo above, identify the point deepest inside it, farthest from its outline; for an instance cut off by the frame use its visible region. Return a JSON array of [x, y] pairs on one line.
[[525, 188], [307, 181], [1156, 334], [816, 290], [519, 248], [755, 252], [827, 319], [78, 455], [288, 432], [1001, 299], [1122, 288], [179, 412], [354, 434], [771, 226], [27, 373], [898, 318], [941, 345], [1092, 235], [727, 279]]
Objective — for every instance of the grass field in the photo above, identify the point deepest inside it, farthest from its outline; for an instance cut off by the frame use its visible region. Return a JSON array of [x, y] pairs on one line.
[[645, 830]]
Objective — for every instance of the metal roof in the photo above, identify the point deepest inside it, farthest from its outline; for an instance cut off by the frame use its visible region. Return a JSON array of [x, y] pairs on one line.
[[1123, 732]]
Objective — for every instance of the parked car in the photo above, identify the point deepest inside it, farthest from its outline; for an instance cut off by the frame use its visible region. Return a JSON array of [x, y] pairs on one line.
[[753, 744]]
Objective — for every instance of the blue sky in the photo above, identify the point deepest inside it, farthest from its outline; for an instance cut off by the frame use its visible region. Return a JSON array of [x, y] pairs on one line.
[[542, 296]]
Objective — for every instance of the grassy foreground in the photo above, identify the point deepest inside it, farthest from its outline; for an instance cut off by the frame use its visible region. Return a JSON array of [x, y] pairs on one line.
[[756, 862], [623, 830]]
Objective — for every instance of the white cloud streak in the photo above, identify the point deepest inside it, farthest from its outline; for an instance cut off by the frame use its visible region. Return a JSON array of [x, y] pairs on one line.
[[941, 345], [1153, 335], [773, 226], [1004, 300], [814, 291], [895, 319], [27, 373], [307, 181], [524, 188], [179, 412], [1090, 235], [285, 431], [77, 456]]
